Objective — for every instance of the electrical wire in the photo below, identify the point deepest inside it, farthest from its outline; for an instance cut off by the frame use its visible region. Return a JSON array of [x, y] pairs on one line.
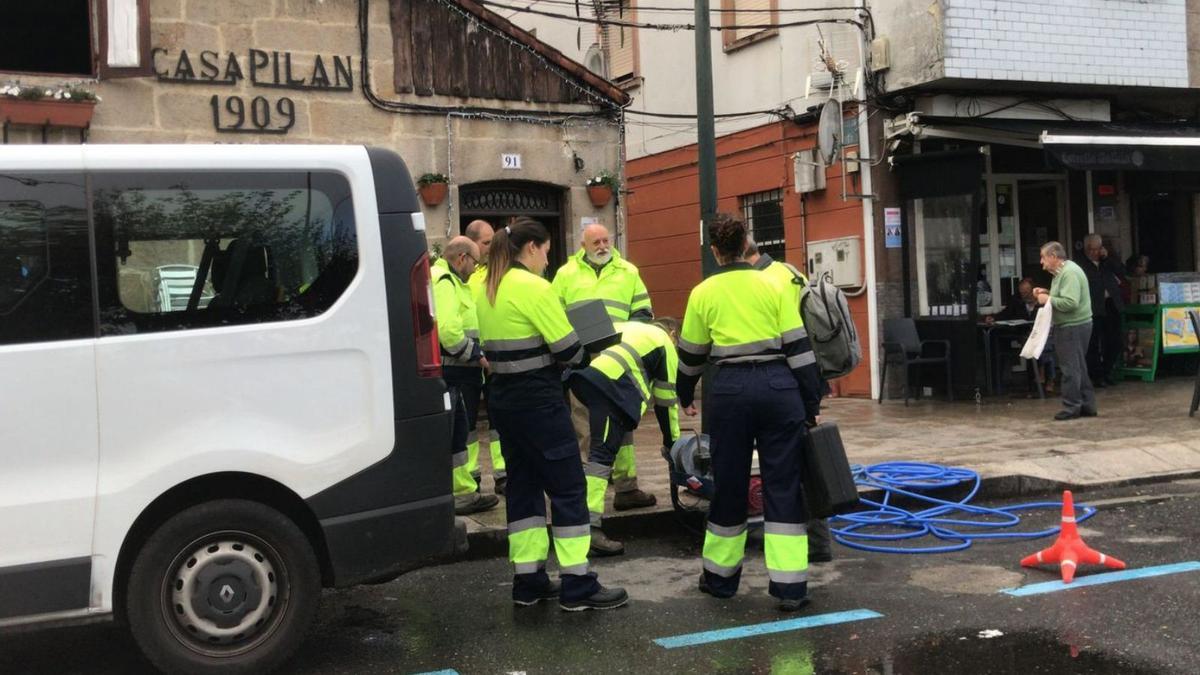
[[904, 479], [598, 21], [692, 10]]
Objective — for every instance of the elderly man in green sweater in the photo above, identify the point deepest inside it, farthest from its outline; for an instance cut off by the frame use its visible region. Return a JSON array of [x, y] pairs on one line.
[[1072, 318]]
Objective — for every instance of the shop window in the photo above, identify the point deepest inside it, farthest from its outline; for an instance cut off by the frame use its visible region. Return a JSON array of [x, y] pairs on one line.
[[45, 271], [619, 43], [179, 251], [763, 213], [47, 37], [749, 20], [943, 228]]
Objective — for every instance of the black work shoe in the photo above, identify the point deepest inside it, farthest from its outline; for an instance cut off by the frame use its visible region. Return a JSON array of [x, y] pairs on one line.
[[635, 499], [605, 598], [794, 605], [501, 485], [1063, 415], [705, 588], [602, 546], [474, 502], [1089, 413], [550, 592], [818, 557]]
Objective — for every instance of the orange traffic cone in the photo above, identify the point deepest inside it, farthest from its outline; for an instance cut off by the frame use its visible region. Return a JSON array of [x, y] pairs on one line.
[[1070, 550]]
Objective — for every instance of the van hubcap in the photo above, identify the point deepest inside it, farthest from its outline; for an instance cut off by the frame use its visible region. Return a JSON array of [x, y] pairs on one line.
[[223, 595]]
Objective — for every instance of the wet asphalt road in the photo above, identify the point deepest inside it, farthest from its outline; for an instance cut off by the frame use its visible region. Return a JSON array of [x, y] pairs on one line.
[[934, 608]]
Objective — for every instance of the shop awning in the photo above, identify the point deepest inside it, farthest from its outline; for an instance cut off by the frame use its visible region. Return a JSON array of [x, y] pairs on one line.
[[1175, 152]]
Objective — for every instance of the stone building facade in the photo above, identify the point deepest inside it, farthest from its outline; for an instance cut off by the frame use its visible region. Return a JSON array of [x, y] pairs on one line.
[[291, 71]]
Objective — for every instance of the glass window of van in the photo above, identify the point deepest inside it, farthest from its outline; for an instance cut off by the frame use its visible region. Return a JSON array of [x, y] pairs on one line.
[[200, 249], [45, 274]]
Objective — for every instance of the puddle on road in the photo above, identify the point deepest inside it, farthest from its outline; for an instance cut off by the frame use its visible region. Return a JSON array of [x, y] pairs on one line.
[[965, 651]]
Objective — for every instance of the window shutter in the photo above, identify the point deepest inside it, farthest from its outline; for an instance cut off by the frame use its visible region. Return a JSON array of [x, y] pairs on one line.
[[759, 17], [124, 39], [618, 41]]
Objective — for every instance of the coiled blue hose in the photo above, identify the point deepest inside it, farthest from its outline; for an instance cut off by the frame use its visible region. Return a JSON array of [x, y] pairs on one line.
[[904, 479]]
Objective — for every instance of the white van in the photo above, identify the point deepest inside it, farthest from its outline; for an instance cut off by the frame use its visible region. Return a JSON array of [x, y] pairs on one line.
[[200, 468]]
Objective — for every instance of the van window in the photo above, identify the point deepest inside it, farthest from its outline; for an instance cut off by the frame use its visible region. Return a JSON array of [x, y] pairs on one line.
[[191, 250], [45, 272]]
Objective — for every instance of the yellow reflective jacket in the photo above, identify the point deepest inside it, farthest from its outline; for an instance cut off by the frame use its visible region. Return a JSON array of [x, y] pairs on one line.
[[740, 315], [524, 333], [618, 284], [458, 327]]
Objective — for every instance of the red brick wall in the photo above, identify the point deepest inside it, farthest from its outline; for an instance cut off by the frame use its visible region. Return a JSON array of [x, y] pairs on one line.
[[664, 215]]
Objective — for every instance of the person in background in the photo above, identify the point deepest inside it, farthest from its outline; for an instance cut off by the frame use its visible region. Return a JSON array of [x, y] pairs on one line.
[[527, 340], [598, 272], [1105, 275], [794, 285], [1024, 307], [1136, 266], [1071, 302], [463, 362], [764, 393], [480, 232]]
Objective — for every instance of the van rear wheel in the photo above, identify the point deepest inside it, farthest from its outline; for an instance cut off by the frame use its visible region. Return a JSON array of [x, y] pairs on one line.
[[229, 585]]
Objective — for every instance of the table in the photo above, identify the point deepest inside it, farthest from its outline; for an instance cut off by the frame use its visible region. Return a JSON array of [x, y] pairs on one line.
[[1016, 328]]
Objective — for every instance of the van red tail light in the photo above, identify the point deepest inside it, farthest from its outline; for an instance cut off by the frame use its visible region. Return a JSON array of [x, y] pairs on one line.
[[429, 356]]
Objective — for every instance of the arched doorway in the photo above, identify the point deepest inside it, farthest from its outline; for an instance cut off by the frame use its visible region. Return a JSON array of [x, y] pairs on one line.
[[497, 201]]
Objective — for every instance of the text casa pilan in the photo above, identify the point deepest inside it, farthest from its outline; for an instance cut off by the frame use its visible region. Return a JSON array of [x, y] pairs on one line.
[[271, 69]]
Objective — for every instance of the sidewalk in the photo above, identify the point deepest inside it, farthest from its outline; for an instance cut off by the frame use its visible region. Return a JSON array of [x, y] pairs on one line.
[[1143, 434]]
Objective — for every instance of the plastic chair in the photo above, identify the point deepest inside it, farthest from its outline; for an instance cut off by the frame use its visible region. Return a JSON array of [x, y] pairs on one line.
[[1195, 317], [900, 339]]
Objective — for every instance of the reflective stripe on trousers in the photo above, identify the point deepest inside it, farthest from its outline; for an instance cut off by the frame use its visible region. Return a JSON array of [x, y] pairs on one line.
[[786, 546], [724, 548]]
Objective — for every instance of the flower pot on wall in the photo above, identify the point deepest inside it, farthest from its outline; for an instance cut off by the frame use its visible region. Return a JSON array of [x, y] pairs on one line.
[[77, 114], [599, 194], [433, 193]]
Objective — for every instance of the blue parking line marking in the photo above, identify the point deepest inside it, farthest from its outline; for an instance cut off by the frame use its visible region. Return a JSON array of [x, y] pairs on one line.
[[448, 671], [692, 639], [1105, 578]]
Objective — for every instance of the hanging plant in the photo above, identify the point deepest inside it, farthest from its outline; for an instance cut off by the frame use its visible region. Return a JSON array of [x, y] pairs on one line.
[[432, 188], [601, 188]]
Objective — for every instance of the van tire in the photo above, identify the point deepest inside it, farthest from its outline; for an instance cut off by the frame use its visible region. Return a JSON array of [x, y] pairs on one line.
[[229, 585]]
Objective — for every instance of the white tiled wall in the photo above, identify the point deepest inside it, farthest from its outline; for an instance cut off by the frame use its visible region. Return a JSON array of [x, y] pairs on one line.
[[1114, 42]]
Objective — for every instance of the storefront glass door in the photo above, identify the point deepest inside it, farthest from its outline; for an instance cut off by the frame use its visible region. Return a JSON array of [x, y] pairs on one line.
[[1023, 213]]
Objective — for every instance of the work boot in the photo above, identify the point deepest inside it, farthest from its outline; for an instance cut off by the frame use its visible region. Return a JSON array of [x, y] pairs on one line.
[[474, 502], [705, 588], [550, 592], [602, 546], [793, 604], [501, 485], [634, 499], [1064, 415], [605, 598]]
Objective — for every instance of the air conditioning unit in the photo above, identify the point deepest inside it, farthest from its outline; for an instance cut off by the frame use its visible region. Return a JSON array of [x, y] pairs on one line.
[[810, 174]]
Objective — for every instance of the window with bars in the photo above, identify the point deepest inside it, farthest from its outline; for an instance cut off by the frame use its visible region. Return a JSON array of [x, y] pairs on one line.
[[763, 213]]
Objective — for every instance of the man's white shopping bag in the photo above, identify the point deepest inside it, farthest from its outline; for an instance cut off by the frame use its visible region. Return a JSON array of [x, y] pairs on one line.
[[1040, 333]]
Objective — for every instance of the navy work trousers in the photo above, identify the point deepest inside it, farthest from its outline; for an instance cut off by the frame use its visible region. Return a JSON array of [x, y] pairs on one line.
[[543, 460]]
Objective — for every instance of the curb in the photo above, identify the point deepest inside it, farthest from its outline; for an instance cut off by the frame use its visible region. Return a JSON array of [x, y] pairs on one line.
[[662, 520]]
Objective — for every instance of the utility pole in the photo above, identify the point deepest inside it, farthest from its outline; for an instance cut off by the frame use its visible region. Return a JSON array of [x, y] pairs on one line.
[[706, 147], [706, 144]]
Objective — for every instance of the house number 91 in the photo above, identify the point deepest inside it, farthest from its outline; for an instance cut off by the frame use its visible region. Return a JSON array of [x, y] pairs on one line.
[[510, 161]]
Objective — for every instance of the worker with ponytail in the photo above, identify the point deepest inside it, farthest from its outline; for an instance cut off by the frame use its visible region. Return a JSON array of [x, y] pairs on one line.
[[528, 340]]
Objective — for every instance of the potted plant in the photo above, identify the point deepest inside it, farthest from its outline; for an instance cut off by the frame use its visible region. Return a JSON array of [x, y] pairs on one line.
[[601, 188], [65, 105], [433, 187]]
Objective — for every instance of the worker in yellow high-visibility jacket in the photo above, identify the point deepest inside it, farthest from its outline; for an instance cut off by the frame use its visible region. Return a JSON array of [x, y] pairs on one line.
[[480, 232], [527, 339], [764, 393]]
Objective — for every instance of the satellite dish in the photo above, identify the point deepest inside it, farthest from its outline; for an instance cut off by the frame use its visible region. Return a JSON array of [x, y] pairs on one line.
[[829, 131]]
